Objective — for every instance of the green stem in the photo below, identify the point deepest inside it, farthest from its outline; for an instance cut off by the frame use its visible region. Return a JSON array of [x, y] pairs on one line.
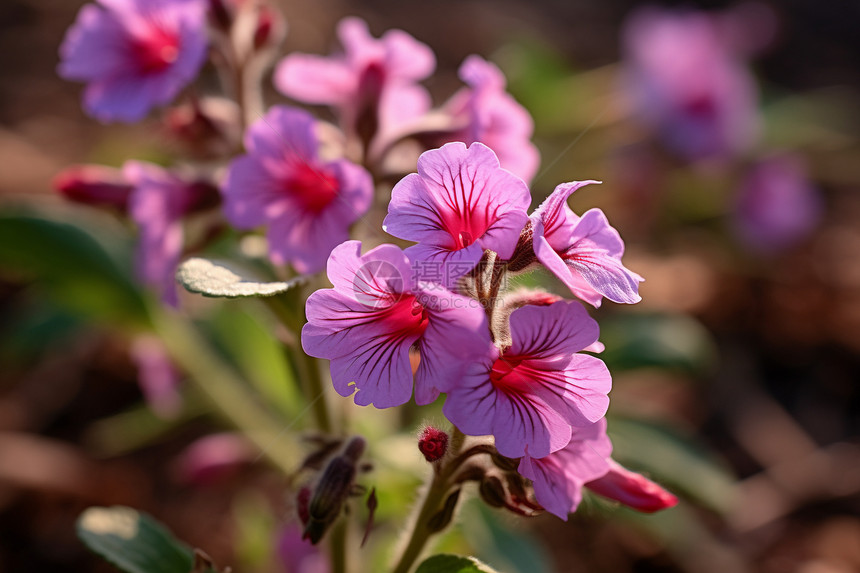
[[338, 546], [219, 383], [434, 497], [308, 367]]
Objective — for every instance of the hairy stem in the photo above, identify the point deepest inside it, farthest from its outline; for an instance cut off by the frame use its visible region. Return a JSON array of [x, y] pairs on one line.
[[434, 497]]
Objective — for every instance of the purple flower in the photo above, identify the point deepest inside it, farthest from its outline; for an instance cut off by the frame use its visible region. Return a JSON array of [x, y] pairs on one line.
[[307, 203], [460, 203], [157, 204], [493, 117], [559, 477], [372, 83], [684, 80], [376, 311], [298, 555], [583, 252], [214, 457], [585, 462], [156, 375], [776, 205], [134, 54], [529, 395]]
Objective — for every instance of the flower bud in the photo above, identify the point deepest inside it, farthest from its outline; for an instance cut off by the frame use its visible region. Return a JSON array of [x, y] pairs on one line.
[[95, 185], [442, 518], [632, 489], [331, 491], [433, 443]]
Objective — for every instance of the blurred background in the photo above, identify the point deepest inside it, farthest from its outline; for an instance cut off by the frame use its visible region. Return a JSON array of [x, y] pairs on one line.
[[736, 379]]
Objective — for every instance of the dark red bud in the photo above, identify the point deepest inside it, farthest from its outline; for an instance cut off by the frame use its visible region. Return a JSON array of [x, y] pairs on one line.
[[433, 443], [95, 185], [303, 502]]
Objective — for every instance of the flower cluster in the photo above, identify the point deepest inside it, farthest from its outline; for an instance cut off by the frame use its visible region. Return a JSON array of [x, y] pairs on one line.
[[511, 366], [433, 318]]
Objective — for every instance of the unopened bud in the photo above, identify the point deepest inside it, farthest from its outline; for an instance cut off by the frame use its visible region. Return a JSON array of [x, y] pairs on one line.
[[331, 491], [95, 185], [433, 443], [442, 518]]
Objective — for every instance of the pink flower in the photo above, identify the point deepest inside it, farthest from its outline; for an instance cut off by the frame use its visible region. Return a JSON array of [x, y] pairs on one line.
[[632, 489], [460, 203], [376, 311], [684, 80], [307, 203], [583, 252], [373, 83], [158, 204], [134, 54], [776, 205], [585, 462], [559, 477], [529, 395], [156, 375], [490, 115], [298, 555], [214, 457]]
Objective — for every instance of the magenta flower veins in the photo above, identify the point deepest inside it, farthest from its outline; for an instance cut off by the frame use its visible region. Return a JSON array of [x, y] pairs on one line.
[[375, 313], [134, 54], [308, 204], [529, 395], [460, 203], [583, 252]]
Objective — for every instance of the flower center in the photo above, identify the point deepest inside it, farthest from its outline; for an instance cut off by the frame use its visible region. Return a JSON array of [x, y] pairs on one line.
[[314, 188], [156, 51], [407, 316], [508, 376]]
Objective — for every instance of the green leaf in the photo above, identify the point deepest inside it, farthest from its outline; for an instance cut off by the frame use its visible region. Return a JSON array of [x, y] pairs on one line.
[[216, 280], [453, 564], [672, 342], [248, 342], [133, 541], [72, 265]]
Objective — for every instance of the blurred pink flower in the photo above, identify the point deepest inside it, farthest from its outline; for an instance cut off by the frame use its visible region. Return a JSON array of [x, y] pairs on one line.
[[491, 116], [307, 203], [156, 375], [298, 555], [683, 79], [212, 457], [529, 395], [372, 83], [134, 54], [583, 252], [776, 205], [158, 204]]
